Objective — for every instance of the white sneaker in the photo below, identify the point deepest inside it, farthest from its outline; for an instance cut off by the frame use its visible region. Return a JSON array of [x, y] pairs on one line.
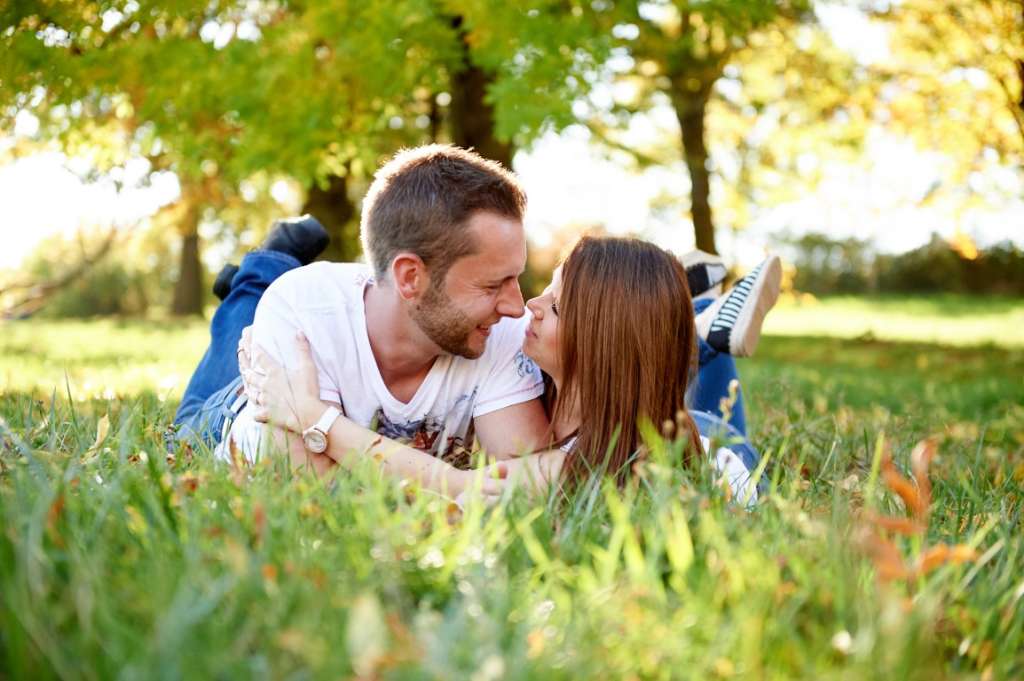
[[705, 273], [732, 324]]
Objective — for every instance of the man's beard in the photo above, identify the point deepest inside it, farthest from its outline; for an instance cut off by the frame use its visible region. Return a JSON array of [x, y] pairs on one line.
[[444, 324]]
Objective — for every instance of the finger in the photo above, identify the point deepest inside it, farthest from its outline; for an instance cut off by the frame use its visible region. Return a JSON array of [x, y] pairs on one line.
[[261, 362], [491, 486], [491, 499], [244, 363], [245, 343], [257, 359], [249, 377], [254, 384], [307, 366]]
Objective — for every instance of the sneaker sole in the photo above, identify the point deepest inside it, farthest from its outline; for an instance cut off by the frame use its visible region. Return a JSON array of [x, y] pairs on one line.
[[765, 294]]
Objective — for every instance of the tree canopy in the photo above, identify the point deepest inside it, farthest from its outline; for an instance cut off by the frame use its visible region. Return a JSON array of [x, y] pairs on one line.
[[227, 92]]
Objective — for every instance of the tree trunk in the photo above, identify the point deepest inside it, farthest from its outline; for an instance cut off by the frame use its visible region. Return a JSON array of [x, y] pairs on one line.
[[188, 290], [1020, 68], [691, 109], [470, 118], [334, 209]]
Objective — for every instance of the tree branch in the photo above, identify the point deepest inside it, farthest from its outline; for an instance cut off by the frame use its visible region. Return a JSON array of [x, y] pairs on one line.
[[39, 293]]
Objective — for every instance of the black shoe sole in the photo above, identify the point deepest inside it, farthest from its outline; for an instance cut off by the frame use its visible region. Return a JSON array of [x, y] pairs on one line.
[[222, 284]]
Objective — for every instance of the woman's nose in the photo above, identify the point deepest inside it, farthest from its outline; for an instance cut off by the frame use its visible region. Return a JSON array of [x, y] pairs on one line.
[[534, 306]]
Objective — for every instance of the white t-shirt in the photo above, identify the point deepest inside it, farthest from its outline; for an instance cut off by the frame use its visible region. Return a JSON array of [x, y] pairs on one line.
[[325, 301]]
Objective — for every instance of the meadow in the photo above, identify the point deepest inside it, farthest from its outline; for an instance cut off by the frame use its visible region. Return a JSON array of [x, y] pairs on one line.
[[888, 543]]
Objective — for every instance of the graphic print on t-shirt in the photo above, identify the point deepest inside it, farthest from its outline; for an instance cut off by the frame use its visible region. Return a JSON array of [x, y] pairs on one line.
[[525, 366], [433, 434]]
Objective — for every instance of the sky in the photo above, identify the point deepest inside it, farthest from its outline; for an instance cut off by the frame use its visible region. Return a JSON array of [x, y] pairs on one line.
[[570, 181]]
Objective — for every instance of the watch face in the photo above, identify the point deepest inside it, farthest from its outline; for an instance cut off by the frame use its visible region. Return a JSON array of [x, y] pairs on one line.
[[315, 441]]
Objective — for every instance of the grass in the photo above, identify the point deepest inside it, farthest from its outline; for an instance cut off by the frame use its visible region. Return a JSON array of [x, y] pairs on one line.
[[117, 561], [946, 319]]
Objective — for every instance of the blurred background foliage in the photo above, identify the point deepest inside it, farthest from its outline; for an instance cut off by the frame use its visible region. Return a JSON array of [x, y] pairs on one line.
[[261, 108], [827, 265]]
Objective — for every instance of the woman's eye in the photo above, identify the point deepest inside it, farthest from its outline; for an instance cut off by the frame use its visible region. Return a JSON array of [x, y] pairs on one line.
[[554, 308]]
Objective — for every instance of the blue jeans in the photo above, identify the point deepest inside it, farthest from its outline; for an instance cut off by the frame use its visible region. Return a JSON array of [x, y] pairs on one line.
[[216, 381], [716, 371]]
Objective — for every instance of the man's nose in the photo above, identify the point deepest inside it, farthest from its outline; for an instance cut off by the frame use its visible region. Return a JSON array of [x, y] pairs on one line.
[[510, 302]]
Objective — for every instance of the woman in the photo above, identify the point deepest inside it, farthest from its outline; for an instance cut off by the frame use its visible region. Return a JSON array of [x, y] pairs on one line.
[[615, 335]]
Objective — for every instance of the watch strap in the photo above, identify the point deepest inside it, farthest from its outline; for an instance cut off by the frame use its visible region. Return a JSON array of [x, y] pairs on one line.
[[326, 420]]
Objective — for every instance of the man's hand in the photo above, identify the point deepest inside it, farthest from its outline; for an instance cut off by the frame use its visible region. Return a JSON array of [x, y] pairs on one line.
[[288, 399]]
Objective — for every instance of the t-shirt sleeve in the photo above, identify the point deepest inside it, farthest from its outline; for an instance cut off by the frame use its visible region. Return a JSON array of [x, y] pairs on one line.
[[273, 330], [512, 377]]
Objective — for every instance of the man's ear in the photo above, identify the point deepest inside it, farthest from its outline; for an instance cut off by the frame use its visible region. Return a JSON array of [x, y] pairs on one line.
[[409, 273]]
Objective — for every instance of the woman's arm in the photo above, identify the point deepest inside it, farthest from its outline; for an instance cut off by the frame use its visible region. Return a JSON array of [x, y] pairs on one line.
[[535, 472], [347, 438]]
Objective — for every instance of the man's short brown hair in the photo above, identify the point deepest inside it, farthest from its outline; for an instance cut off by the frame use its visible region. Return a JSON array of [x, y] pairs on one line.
[[421, 201]]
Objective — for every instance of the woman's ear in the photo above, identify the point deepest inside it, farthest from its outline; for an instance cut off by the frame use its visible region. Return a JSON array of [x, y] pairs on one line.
[[410, 275]]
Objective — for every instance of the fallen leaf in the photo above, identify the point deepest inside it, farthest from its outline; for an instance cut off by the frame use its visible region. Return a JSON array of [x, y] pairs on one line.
[[102, 429]]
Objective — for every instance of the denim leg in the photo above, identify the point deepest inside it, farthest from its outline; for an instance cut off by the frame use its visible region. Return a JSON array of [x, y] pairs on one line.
[[725, 435], [206, 424], [716, 370], [219, 366]]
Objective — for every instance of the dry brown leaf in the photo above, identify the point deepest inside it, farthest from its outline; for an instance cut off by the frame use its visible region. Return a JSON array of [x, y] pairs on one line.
[[904, 526], [962, 553], [935, 557], [920, 460], [902, 487], [887, 559], [453, 513]]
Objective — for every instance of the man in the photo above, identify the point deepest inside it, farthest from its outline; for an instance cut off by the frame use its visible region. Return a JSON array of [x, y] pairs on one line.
[[423, 343]]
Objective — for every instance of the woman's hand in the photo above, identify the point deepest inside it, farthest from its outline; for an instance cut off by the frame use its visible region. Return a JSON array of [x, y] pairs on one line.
[[492, 479], [283, 398], [535, 472]]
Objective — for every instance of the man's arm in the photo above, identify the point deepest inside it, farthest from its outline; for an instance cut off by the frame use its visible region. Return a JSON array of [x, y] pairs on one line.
[[348, 440], [289, 402], [514, 430], [300, 457]]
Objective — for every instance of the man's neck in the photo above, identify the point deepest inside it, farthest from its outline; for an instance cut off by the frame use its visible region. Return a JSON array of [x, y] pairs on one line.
[[403, 353]]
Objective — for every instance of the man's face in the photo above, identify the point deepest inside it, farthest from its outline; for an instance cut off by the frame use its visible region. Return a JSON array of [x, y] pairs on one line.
[[478, 290]]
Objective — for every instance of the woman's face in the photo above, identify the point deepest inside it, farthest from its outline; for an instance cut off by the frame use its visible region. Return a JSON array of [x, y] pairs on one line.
[[541, 343]]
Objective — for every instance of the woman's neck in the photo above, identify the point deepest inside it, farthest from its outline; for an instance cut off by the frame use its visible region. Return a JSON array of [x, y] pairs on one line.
[[565, 424]]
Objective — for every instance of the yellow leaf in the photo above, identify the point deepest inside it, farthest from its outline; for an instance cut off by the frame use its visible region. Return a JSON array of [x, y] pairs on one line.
[[102, 429]]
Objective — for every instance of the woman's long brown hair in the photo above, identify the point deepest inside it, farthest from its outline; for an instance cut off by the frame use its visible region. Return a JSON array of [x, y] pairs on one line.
[[628, 350]]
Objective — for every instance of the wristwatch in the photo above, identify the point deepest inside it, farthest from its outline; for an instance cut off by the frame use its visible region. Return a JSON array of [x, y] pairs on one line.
[[315, 437]]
